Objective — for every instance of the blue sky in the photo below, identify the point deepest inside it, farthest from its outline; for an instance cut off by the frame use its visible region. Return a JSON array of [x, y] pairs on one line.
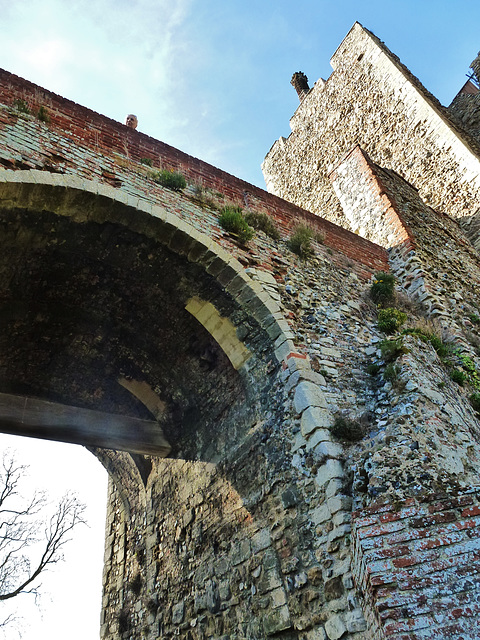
[[211, 77]]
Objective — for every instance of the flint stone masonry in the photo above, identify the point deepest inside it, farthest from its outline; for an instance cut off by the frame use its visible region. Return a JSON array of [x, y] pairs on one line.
[[371, 99], [268, 519]]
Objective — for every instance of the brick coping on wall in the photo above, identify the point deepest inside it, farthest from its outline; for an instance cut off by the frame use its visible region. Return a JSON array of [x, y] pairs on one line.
[[107, 137]]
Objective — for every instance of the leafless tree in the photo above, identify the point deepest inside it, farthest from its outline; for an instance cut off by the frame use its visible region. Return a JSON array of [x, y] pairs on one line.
[[29, 541]]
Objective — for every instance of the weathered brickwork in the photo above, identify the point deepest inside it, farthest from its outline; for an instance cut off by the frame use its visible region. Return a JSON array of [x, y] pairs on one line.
[[422, 567], [108, 153], [319, 486]]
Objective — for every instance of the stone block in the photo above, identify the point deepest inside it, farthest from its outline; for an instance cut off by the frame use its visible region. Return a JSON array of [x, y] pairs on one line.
[[199, 603], [339, 503], [279, 597], [355, 621], [329, 449], [308, 394], [306, 374], [290, 497], [300, 364], [212, 598], [341, 517], [277, 620], [269, 580], [331, 469], [339, 532], [270, 559], [314, 418], [241, 552], [334, 588], [224, 590], [261, 540], [334, 487], [320, 514], [283, 347], [335, 627], [178, 612], [316, 634]]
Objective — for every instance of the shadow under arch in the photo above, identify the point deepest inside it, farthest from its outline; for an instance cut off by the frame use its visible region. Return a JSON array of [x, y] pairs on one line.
[[100, 285]]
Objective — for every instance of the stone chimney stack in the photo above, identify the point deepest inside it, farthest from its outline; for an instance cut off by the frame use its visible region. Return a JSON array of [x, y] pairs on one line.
[[300, 83], [476, 67]]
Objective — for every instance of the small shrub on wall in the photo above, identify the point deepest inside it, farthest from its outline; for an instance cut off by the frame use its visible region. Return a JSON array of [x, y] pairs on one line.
[[347, 429], [231, 219], [458, 376], [382, 290], [475, 401], [262, 222], [390, 319], [21, 106], [300, 242], [43, 115], [170, 179], [392, 349]]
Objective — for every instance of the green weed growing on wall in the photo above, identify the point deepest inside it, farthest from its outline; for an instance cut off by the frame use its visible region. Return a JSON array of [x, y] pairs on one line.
[[475, 401], [348, 429], [300, 242], [390, 319], [263, 222], [231, 219], [43, 115], [170, 179], [21, 106], [392, 349], [382, 290]]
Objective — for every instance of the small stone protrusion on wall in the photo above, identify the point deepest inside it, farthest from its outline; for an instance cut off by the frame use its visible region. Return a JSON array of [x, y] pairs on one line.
[[299, 82]]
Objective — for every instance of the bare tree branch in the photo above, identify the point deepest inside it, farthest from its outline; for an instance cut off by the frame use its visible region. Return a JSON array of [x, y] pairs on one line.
[[22, 530]]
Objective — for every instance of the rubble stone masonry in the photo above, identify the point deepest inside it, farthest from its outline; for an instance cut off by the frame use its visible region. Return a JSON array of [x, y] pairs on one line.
[[371, 99], [323, 476]]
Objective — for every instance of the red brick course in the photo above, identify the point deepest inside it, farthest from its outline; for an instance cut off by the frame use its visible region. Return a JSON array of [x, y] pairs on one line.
[[103, 142], [422, 575]]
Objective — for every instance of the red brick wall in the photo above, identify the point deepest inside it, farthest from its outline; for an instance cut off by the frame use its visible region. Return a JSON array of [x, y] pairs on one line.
[[418, 566], [366, 202], [106, 138]]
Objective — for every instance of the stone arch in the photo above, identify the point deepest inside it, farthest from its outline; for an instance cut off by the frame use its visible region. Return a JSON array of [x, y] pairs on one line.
[[44, 198], [153, 298]]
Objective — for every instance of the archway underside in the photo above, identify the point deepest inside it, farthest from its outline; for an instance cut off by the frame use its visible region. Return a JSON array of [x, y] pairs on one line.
[[88, 309]]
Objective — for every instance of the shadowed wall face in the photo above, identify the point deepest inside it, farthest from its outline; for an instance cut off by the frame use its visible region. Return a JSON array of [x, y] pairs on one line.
[[85, 304]]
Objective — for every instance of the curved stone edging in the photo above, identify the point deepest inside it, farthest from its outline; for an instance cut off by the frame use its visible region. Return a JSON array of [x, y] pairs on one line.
[[84, 200]]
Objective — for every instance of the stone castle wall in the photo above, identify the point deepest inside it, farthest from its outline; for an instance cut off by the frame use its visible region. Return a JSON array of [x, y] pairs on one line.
[[407, 544], [316, 489], [372, 100], [247, 540], [466, 108]]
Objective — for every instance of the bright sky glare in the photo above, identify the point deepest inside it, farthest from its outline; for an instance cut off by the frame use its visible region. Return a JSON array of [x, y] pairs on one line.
[[211, 77], [71, 590]]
